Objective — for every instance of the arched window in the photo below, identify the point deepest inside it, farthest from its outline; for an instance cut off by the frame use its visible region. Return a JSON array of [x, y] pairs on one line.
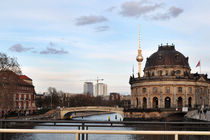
[[155, 102], [178, 72], [179, 102], [144, 102], [190, 102], [167, 102]]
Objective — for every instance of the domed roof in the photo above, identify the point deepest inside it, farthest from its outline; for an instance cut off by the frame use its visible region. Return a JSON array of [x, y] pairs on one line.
[[167, 56]]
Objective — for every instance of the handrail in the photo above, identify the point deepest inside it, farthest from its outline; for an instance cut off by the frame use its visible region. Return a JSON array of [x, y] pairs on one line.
[[103, 122], [77, 132]]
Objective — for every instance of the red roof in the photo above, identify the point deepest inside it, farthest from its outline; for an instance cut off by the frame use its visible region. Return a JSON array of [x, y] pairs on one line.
[[24, 77]]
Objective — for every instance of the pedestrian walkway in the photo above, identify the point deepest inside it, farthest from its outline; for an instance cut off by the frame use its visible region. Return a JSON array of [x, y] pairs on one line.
[[198, 115], [47, 115]]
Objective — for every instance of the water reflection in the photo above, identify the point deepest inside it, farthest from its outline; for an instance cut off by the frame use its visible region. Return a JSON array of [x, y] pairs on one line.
[[105, 117], [113, 117]]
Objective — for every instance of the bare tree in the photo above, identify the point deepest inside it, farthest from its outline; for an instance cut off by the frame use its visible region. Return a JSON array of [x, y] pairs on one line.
[[9, 63], [54, 97]]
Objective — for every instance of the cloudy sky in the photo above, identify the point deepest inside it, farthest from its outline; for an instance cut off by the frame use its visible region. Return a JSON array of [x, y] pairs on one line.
[[60, 43]]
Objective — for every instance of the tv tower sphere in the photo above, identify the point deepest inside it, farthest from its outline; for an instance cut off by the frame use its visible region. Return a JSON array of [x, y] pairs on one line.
[[139, 58]]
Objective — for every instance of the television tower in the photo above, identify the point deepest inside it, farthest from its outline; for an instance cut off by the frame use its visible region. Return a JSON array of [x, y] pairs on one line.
[[139, 57]]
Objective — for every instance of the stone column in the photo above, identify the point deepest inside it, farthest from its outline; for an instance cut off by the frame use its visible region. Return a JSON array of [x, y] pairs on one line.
[[208, 95], [140, 102], [148, 98], [174, 97], [132, 98], [193, 97], [161, 98], [186, 99], [139, 99]]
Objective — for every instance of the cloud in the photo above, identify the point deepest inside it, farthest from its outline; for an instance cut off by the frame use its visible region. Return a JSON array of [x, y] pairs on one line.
[[171, 13], [101, 28], [19, 48], [51, 44], [110, 9], [137, 9], [85, 20], [50, 50]]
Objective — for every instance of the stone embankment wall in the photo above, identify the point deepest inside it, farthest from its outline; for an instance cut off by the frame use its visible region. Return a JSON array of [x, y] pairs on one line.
[[50, 115], [161, 115]]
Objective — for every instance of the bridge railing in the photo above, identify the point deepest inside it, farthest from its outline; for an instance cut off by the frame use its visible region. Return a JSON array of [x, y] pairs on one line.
[[77, 132]]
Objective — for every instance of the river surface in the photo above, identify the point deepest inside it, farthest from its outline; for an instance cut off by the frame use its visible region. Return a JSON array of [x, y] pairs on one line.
[[108, 137]]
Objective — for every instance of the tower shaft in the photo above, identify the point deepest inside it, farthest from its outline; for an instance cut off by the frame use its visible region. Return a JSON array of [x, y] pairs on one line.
[[139, 53]]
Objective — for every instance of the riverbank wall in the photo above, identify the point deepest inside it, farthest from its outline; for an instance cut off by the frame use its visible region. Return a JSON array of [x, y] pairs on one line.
[[154, 115]]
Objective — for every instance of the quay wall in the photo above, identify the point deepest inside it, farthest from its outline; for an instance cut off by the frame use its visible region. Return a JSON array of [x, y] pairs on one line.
[[154, 115]]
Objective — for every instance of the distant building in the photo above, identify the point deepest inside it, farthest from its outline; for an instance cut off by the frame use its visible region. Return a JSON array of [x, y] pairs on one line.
[[88, 88], [100, 89], [17, 94], [125, 101], [26, 93], [114, 96]]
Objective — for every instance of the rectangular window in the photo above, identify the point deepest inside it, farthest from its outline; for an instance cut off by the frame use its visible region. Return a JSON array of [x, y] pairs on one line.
[[160, 72], [144, 90], [155, 90], [22, 96], [190, 90], [166, 73], [179, 89], [167, 89], [201, 90]]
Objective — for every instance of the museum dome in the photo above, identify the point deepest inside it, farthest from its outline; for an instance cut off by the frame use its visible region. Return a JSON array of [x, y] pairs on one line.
[[167, 56]]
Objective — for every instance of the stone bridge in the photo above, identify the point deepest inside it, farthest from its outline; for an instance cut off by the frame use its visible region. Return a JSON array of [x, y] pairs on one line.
[[63, 111]]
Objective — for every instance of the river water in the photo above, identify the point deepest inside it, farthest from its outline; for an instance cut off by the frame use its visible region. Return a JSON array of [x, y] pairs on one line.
[[107, 137]]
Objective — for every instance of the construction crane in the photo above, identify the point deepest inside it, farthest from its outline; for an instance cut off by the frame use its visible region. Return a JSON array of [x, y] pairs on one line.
[[97, 80]]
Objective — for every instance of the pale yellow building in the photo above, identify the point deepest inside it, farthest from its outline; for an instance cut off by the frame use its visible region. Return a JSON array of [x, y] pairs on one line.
[[167, 82]]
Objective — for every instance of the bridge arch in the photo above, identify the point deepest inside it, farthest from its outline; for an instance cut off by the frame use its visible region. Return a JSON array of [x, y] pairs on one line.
[[64, 111]]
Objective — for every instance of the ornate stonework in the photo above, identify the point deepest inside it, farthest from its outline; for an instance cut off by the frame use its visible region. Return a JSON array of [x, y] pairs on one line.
[[169, 83]]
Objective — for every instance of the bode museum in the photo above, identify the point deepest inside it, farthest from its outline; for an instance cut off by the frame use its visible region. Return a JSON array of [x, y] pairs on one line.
[[167, 82]]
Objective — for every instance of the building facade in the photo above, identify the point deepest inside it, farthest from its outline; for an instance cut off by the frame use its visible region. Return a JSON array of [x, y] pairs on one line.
[[114, 96], [88, 88], [168, 82], [17, 93], [100, 89]]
